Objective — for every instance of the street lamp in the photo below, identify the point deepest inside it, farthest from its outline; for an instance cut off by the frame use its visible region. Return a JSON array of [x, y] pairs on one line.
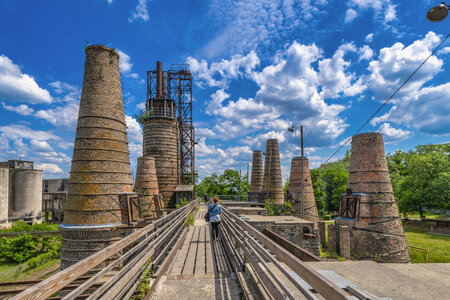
[[438, 13], [291, 129]]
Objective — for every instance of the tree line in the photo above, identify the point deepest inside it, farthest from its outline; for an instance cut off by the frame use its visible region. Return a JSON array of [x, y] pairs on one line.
[[420, 179]]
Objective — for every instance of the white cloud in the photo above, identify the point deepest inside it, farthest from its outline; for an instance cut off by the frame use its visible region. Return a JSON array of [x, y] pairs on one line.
[[65, 116], [204, 132], [134, 130], [40, 146], [392, 135], [16, 86], [237, 67], [427, 110], [383, 9], [216, 102], [350, 15], [369, 38], [251, 24], [390, 13], [15, 131], [110, 1], [125, 65], [365, 53], [396, 63], [49, 168], [141, 12], [445, 50], [22, 109]]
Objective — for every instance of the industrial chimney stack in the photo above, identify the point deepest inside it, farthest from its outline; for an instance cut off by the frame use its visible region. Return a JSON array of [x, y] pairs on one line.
[[295, 188], [368, 211], [272, 184], [100, 168], [256, 183]]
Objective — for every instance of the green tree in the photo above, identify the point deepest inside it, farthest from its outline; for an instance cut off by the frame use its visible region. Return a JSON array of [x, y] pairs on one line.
[[426, 184], [225, 184]]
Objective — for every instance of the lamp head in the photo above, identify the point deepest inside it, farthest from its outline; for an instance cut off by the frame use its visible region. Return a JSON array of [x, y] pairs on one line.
[[291, 129], [438, 13]]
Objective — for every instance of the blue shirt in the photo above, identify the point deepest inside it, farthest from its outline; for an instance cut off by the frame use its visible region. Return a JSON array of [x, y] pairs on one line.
[[215, 212]]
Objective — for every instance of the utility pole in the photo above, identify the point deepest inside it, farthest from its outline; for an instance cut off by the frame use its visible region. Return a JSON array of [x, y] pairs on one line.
[[239, 187], [303, 167]]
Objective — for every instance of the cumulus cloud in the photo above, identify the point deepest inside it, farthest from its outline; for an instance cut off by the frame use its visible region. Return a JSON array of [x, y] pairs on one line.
[[65, 116], [21, 131], [393, 135], [19, 87], [22, 109], [369, 38], [427, 111], [237, 67], [40, 146], [365, 53], [49, 168], [396, 63], [350, 15], [205, 132], [140, 13], [134, 130], [125, 65], [216, 102]]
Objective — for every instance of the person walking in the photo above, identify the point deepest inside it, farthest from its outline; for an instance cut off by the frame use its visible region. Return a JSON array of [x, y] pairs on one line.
[[214, 214]]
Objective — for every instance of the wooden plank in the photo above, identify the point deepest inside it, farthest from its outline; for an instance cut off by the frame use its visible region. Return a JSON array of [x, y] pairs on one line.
[[200, 262], [163, 268], [181, 255], [321, 284], [53, 284], [210, 266], [189, 264], [220, 258]]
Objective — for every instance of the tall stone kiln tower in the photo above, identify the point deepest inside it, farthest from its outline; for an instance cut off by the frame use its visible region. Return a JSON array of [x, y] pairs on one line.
[[100, 168], [272, 184], [368, 211]]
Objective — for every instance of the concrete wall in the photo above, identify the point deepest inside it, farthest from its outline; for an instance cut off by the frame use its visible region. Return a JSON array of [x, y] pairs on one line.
[[55, 185], [4, 191], [302, 235], [25, 194]]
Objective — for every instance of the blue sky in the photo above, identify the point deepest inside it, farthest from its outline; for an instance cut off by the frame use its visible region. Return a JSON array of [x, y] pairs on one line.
[[258, 68]]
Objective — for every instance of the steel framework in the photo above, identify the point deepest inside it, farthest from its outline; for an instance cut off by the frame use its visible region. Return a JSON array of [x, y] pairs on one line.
[[177, 86]]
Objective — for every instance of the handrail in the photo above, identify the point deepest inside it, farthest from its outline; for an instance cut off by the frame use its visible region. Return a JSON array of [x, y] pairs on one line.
[[321, 284], [61, 279]]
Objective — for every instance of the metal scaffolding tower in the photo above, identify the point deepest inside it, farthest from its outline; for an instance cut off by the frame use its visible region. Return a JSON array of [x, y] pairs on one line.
[[177, 85]]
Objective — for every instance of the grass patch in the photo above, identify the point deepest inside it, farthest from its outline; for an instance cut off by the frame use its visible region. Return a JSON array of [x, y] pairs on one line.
[[438, 246], [429, 216], [325, 254], [13, 272]]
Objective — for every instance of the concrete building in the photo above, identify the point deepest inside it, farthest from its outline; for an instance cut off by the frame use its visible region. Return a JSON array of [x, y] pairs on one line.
[[55, 185]]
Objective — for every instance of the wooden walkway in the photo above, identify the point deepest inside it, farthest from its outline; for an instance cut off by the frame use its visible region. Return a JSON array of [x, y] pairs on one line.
[[200, 269], [199, 256]]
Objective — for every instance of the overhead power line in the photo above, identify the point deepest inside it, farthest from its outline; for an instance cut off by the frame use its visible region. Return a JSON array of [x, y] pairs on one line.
[[386, 102]]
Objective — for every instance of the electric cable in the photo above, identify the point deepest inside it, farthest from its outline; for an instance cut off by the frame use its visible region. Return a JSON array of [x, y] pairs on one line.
[[386, 102]]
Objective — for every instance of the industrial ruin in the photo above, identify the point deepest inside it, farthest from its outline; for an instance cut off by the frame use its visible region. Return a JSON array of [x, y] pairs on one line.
[[296, 189], [20, 192], [111, 229], [272, 184], [368, 226]]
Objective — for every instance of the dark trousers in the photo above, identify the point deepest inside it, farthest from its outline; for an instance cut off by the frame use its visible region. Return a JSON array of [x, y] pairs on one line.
[[215, 229]]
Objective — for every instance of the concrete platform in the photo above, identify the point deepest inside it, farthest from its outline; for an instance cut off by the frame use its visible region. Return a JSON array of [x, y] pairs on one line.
[[396, 281], [276, 220], [243, 210], [242, 203]]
